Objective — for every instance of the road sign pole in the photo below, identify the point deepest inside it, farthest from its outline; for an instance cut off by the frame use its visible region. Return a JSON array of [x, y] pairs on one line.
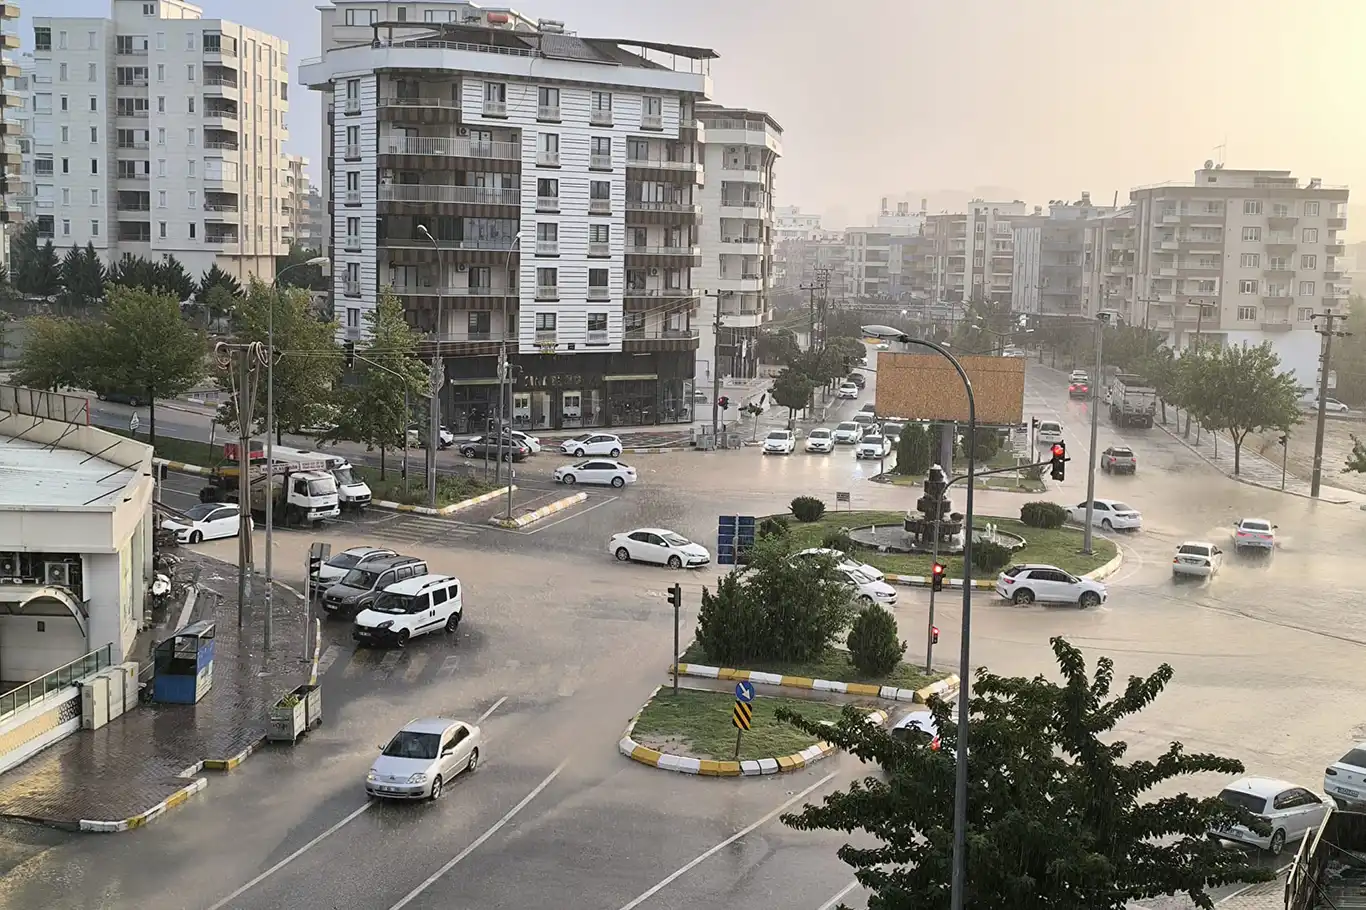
[[738, 733], [677, 612]]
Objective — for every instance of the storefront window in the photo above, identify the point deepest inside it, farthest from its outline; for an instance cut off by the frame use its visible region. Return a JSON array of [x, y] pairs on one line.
[[674, 406], [633, 402]]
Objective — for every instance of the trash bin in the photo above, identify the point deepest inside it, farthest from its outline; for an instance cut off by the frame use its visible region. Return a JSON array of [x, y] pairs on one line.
[[183, 665], [296, 713]]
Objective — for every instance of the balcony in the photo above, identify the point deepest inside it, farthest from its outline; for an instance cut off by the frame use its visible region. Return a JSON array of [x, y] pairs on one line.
[[220, 239], [599, 206], [352, 152], [1281, 243], [664, 251], [651, 122], [547, 159], [131, 206], [546, 337], [222, 177], [219, 87], [1167, 272], [495, 108], [599, 292], [548, 204], [546, 113], [136, 113], [352, 197], [351, 288], [596, 336], [682, 208], [547, 292], [1337, 224], [449, 147], [220, 118], [664, 164], [547, 248], [662, 293], [1285, 302], [1334, 248], [230, 207], [1278, 270], [600, 118], [134, 144], [215, 146], [1168, 245], [600, 162], [352, 244], [1333, 275], [643, 339], [1279, 325], [742, 246], [1168, 218], [1281, 221], [420, 192], [599, 249], [136, 175], [352, 106]]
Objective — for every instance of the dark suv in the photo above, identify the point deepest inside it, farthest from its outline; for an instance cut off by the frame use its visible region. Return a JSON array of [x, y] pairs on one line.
[[359, 587]]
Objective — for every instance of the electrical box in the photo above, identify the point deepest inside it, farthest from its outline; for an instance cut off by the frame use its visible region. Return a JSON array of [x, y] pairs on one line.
[[95, 702]]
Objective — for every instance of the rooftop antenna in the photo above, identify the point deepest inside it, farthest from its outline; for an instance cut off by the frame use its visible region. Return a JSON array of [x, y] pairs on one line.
[[1220, 150]]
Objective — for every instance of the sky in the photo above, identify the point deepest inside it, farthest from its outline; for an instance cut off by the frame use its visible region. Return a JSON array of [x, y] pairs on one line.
[[905, 98]]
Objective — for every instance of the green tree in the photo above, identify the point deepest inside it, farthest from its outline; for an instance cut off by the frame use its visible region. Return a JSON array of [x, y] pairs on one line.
[[847, 352], [1056, 818], [58, 353], [913, 451], [1241, 390], [1349, 355], [388, 376], [172, 277], [23, 256], [1356, 462], [1158, 367], [41, 271], [145, 344], [311, 277], [306, 370], [133, 272], [779, 347], [792, 390], [1129, 348], [217, 293], [82, 277]]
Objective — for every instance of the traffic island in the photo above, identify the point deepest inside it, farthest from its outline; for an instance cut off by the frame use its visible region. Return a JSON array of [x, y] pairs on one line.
[[521, 521], [692, 732]]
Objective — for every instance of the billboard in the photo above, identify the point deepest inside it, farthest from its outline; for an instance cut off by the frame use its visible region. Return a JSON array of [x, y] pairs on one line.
[[927, 387]]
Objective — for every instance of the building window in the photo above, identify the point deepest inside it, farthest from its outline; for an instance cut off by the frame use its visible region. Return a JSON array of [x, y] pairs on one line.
[[548, 104], [161, 230], [94, 228], [149, 9], [547, 239], [1306, 289], [601, 233], [547, 284], [66, 227], [95, 134], [602, 105], [599, 190], [353, 181], [190, 168], [61, 72], [193, 225], [161, 104], [361, 17], [189, 137], [1311, 209], [1252, 234], [66, 195], [1247, 314], [547, 194], [597, 283], [161, 167], [94, 197], [66, 134], [545, 322], [1251, 260], [548, 150], [91, 74], [189, 104], [161, 135], [161, 199], [1304, 314], [352, 317], [161, 72], [1248, 286], [192, 200], [1309, 262], [1310, 235], [94, 165], [652, 112], [42, 38], [1252, 206]]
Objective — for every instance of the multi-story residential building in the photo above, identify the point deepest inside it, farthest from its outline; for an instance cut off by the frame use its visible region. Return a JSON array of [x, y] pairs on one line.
[[1108, 279], [526, 192], [740, 151], [18, 117], [803, 260], [911, 267], [791, 223], [317, 225], [867, 264], [1049, 266], [159, 132], [11, 102], [974, 251], [293, 207], [1244, 256]]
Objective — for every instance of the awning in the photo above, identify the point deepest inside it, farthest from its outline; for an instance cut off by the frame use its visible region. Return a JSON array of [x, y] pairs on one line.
[[42, 600]]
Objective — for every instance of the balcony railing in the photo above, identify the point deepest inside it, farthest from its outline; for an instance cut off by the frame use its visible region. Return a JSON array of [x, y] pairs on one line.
[[664, 250], [547, 248], [352, 197], [599, 292], [1334, 249], [547, 203], [545, 336], [548, 159], [661, 163], [452, 146], [58, 682], [549, 112], [351, 288], [352, 151], [417, 243], [232, 83], [352, 244], [137, 113], [450, 104], [221, 146], [220, 207], [495, 108], [408, 290], [599, 249], [135, 144], [687, 208], [1337, 224], [651, 122], [600, 162], [599, 206], [667, 293], [134, 206], [734, 239], [633, 333], [596, 336], [352, 106], [220, 239], [600, 117], [135, 176], [478, 195], [547, 292]]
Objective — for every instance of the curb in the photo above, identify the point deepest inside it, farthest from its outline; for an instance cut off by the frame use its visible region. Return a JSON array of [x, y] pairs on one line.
[[708, 768], [521, 521], [1110, 568], [142, 818], [1243, 480], [923, 581], [658, 450], [444, 510], [865, 690], [231, 763]]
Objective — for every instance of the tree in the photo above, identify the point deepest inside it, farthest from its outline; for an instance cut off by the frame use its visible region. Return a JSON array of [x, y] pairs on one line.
[[214, 278], [1241, 390], [913, 451], [144, 344], [388, 376], [1129, 348], [167, 277], [847, 352], [58, 353], [1356, 461], [39, 271], [1159, 368], [308, 369], [172, 277], [1349, 355], [305, 276], [792, 390], [82, 276], [1056, 819], [778, 347], [23, 256]]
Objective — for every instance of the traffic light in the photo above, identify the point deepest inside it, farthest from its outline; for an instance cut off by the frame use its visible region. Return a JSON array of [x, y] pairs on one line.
[[315, 564], [934, 635], [676, 597], [349, 349], [937, 584], [724, 402], [1059, 461], [1285, 437]]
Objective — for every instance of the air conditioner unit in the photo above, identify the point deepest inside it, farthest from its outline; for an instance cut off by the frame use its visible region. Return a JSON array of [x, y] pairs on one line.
[[463, 131], [9, 565], [57, 573], [654, 271], [461, 267]]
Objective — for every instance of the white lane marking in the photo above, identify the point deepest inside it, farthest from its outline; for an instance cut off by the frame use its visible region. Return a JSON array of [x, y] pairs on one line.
[[449, 666], [388, 663], [495, 706], [292, 857], [579, 514], [834, 901], [415, 667], [358, 664], [727, 842], [478, 841], [329, 658]]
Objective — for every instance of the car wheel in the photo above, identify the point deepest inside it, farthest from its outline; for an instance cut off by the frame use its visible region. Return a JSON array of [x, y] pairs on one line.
[[101, 396], [618, 482], [623, 554], [474, 760], [1277, 843], [507, 456], [615, 453], [1106, 525], [1023, 597], [675, 562], [437, 787], [453, 623], [1089, 599], [865, 600], [467, 452], [196, 537], [579, 452], [568, 479], [403, 638]]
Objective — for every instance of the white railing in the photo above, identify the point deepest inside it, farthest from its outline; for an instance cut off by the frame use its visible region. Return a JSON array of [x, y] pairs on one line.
[[600, 162], [548, 292], [636, 205], [600, 118], [353, 196], [353, 151], [661, 163], [547, 248], [547, 203], [351, 288], [671, 293], [548, 112], [495, 109], [596, 336], [410, 290], [351, 243], [599, 248], [600, 206], [651, 122], [599, 292], [401, 192], [352, 106], [665, 250], [545, 336], [453, 146], [548, 159], [451, 104]]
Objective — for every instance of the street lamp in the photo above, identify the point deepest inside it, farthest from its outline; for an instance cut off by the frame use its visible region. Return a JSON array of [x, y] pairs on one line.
[[438, 375], [503, 371], [960, 799]]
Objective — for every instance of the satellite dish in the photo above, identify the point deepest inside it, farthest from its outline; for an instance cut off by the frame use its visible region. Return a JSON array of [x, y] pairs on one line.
[[880, 331], [1209, 163]]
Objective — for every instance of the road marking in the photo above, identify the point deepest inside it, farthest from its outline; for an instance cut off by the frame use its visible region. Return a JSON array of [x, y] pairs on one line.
[[578, 514], [415, 667], [479, 841], [329, 658], [727, 842], [494, 707], [449, 666], [357, 813], [388, 663], [834, 901], [359, 663]]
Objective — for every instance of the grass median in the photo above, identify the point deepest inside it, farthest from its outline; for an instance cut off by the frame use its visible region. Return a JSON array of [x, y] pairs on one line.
[[1059, 547], [698, 725], [450, 488], [185, 451], [833, 665]]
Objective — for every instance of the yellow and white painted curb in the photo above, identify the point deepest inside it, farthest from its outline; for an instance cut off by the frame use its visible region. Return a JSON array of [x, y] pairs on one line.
[[1110, 568], [521, 521], [923, 581], [684, 764], [944, 688], [444, 510], [181, 467], [142, 818], [657, 450]]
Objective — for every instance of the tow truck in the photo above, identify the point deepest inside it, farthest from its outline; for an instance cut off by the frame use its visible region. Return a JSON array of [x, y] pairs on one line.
[[304, 491]]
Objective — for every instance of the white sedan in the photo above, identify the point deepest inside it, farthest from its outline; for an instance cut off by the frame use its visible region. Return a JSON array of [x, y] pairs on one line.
[[848, 433], [868, 590], [1110, 514], [593, 444], [1197, 559], [780, 442], [531, 442], [207, 521], [843, 560], [873, 446], [820, 440], [423, 757], [335, 569], [660, 546], [1254, 534], [848, 390], [1330, 405], [596, 470]]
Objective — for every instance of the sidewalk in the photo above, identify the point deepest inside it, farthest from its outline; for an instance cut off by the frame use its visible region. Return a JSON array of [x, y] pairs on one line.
[[153, 752]]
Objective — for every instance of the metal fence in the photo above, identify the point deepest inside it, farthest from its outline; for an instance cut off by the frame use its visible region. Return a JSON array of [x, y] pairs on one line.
[[52, 683], [47, 405]]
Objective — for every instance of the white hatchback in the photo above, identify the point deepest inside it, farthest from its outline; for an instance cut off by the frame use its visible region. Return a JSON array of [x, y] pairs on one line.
[[820, 440], [596, 470], [593, 444], [1345, 779], [422, 757], [1197, 559], [1290, 812], [1110, 514], [1024, 584], [780, 442], [410, 608], [660, 546]]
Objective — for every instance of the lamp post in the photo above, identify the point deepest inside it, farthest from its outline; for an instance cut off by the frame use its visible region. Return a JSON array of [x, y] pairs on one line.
[[1091, 458], [503, 371], [268, 633], [438, 374]]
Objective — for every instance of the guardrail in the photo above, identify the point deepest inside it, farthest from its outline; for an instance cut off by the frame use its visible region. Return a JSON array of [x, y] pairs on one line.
[[61, 678]]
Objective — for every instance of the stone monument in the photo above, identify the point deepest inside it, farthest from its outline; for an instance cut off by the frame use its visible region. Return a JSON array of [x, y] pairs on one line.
[[936, 513]]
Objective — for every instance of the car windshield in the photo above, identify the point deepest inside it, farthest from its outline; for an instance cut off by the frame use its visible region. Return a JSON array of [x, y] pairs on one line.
[[1193, 549], [343, 560], [1356, 758], [322, 487], [394, 604], [891, 428], [1256, 526], [360, 578], [858, 577], [675, 541], [409, 744], [1122, 453], [344, 476], [872, 440], [847, 425], [819, 434], [778, 435], [1013, 571], [1250, 802], [1050, 427], [201, 511]]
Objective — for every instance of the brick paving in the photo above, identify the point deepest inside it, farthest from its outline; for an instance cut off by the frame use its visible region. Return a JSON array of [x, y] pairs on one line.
[[137, 760]]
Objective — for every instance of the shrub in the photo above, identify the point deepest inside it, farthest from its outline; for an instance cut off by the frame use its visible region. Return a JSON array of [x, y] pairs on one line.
[[807, 508], [913, 451], [873, 646], [990, 557], [1041, 514], [732, 628], [988, 443], [773, 526], [838, 539]]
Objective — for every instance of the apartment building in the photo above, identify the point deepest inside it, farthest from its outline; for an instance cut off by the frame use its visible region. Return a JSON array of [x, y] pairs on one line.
[[294, 206], [1108, 280], [11, 104], [1257, 252], [911, 267], [159, 132], [18, 119], [800, 261], [317, 224], [526, 191], [874, 260], [974, 251], [1049, 265], [736, 238], [791, 223]]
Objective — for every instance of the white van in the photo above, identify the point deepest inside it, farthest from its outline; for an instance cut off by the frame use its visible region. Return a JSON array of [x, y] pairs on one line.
[[410, 608]]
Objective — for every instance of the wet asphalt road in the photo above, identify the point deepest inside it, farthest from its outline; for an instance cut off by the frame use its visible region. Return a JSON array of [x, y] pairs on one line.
[[562, 645]]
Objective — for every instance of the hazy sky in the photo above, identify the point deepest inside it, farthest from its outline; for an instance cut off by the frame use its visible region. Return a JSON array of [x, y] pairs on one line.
[[1048, 97]]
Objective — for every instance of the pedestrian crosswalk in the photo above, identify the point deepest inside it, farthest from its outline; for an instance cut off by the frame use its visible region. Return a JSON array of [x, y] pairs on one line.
[[421, 529], [423, 662]]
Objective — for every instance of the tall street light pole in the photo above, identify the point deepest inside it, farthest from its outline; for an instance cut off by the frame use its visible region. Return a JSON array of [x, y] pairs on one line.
[[1091, 458], [504, 369], [1328, 332], [438, 372]]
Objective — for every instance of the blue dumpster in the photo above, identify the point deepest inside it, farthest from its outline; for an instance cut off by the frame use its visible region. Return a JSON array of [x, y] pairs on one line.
[[183, 665]]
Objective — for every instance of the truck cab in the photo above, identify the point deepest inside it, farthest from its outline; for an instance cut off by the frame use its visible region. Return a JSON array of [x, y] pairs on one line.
[[352, 492], [303, 491]]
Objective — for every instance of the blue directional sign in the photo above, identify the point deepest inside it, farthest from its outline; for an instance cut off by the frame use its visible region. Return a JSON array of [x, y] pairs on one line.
[[744, 692], [734, 535]]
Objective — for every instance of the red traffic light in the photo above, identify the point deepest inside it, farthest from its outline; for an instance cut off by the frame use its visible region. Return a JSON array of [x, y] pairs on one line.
[[934, 634], [937, 569], [1059, 451]]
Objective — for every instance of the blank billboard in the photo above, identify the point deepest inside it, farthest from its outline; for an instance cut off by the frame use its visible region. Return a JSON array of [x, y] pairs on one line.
[[927, 387]]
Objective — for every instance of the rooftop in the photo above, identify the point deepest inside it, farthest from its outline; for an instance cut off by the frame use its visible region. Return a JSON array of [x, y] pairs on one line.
[[37, 476]]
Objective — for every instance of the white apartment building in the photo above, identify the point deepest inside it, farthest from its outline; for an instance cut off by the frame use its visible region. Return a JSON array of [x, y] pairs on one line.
[[974, 251], [791, 223], [18, 136], [1050, 258], [1257, 252], [159, 132], [741, 149], [294, 206], [1108, 279], [537, 190]]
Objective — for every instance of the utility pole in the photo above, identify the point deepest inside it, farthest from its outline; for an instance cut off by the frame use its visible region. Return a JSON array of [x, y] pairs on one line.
[[1091, 456], [1325, 361], [243, 359], [716, 374], [438, 372]]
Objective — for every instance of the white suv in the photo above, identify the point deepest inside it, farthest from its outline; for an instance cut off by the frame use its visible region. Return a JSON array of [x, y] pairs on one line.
[[411, 608], [1025, 584]]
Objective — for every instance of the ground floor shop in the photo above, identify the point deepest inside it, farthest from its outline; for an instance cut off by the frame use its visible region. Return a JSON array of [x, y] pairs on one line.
[[566, 392]]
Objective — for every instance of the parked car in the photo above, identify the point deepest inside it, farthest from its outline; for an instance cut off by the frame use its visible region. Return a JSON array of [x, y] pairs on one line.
[[422, 757], [848, 433], [868, 590], [1024, 584], [207, 521], [1049, 433], [532, 443], [873, 446], [418, 434], [596, 470], [363, 585], [847, 390], [1254, 534], [122, 396], [1331, 405], [593, 444], [334, 569], [917, 726], [842, 559], [1345, 779], [866, 421], [1119, 460], [820, 440], [660, 546], [1197, 559], [1110, 514], [1290, 812], [857, 379], [408, 609], [780, 442], [893, 431], [869, 408], [492, 446]]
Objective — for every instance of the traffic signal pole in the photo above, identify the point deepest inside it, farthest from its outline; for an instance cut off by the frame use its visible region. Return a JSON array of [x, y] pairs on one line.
[[1091, 457]]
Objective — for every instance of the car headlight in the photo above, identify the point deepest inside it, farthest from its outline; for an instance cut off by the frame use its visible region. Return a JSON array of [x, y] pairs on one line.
[[387, 624], [419, 778], [371, 777]]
